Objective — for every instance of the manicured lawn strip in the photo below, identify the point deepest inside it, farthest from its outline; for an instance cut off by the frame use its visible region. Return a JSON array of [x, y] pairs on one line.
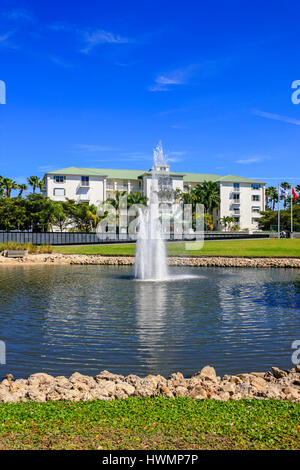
[[248, 248], [156, 423]]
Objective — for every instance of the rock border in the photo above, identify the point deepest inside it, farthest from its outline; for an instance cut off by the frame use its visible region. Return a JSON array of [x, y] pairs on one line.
[[205, 384], [197, 261]]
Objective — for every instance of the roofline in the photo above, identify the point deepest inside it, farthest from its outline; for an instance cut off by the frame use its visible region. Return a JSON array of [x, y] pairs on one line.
[[148, 173], [216, 178]]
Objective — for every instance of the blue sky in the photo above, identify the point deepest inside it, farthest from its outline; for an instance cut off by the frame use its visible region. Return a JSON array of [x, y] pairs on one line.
[[98, 84]]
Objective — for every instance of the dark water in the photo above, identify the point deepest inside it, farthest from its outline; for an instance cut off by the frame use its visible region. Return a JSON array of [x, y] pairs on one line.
[[59, 319]]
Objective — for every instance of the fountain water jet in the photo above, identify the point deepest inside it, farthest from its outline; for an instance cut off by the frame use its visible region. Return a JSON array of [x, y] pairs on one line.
[[151, 259]]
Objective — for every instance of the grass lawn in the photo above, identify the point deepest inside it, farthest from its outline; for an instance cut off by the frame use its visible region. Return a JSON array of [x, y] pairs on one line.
[[156, 423], [255, 248]]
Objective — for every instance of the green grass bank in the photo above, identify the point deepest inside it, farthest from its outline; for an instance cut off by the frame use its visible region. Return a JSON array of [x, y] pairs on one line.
[[156, 423], [240, 248]]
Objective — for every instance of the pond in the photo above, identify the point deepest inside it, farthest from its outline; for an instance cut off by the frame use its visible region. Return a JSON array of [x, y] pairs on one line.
[[61, 319]]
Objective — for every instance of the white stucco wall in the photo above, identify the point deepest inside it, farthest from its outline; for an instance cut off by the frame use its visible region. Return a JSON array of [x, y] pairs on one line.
[[245, 204], [73, 189], [98, 190]]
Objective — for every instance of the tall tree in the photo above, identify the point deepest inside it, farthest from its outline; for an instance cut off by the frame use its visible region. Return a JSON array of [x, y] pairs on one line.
[[227, 221], [136, 198], [22, 187], [9, 185], [1, 187], [209, 195], [35, 182]]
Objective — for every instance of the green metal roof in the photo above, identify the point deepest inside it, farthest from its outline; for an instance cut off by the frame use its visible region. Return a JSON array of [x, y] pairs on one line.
[[135, 174], [237, 179], [75, 171], [199, 177]]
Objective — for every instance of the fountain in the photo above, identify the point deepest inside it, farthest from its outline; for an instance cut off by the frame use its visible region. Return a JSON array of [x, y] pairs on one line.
[[151, 259]]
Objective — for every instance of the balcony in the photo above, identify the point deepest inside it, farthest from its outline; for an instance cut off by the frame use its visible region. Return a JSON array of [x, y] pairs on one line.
[[84, 198], [84, 184]]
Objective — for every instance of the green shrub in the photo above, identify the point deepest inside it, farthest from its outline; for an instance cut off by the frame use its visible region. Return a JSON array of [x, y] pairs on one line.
[[32, 249]]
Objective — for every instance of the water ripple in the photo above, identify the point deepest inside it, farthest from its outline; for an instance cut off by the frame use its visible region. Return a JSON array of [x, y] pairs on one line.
[[59, 319]]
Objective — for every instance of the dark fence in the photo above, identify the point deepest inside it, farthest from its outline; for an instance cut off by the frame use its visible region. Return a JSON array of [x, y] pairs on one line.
[[75, 238]]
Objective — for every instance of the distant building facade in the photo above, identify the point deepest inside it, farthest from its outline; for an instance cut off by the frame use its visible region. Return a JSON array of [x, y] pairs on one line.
[[241, 198]]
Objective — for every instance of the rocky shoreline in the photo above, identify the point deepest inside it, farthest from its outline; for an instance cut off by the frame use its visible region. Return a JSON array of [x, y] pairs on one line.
[[205, 384], [218, 261]]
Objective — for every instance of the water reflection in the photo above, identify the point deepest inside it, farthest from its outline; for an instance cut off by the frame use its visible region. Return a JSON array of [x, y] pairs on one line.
[[156, 329], [64, 318]]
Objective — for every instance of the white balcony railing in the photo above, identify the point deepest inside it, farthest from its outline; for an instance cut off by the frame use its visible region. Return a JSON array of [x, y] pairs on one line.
[[84, 198]]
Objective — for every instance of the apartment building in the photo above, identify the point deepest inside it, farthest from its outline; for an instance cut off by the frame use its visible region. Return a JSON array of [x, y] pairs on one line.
[[241, 198]]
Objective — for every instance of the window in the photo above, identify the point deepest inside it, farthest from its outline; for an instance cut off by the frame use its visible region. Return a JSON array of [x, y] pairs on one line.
[[59, 179], [237, 220], [255, 208], [59, 191], [85, 181], [255, 186], [254, 220], [255, 197], [236, 185], [236, 197]]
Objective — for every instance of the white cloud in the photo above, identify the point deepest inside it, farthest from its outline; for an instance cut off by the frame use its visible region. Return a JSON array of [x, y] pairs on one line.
[[5, 36], [61, 62], [248, 161], [277, 117], [101, 36], [20, 14], [46, 168], [91, 148], [164, 82], [90, 37]]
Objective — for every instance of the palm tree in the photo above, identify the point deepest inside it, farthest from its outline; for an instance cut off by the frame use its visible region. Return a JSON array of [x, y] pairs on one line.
[[35, 182], [41, 185], [272, 195], [136, 198], [188, 196], [210, 194], [268, 195], [22, 187], [9, 185], [206, 193], [297, 189], [1, 187], [115, 202], [227, 220]]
